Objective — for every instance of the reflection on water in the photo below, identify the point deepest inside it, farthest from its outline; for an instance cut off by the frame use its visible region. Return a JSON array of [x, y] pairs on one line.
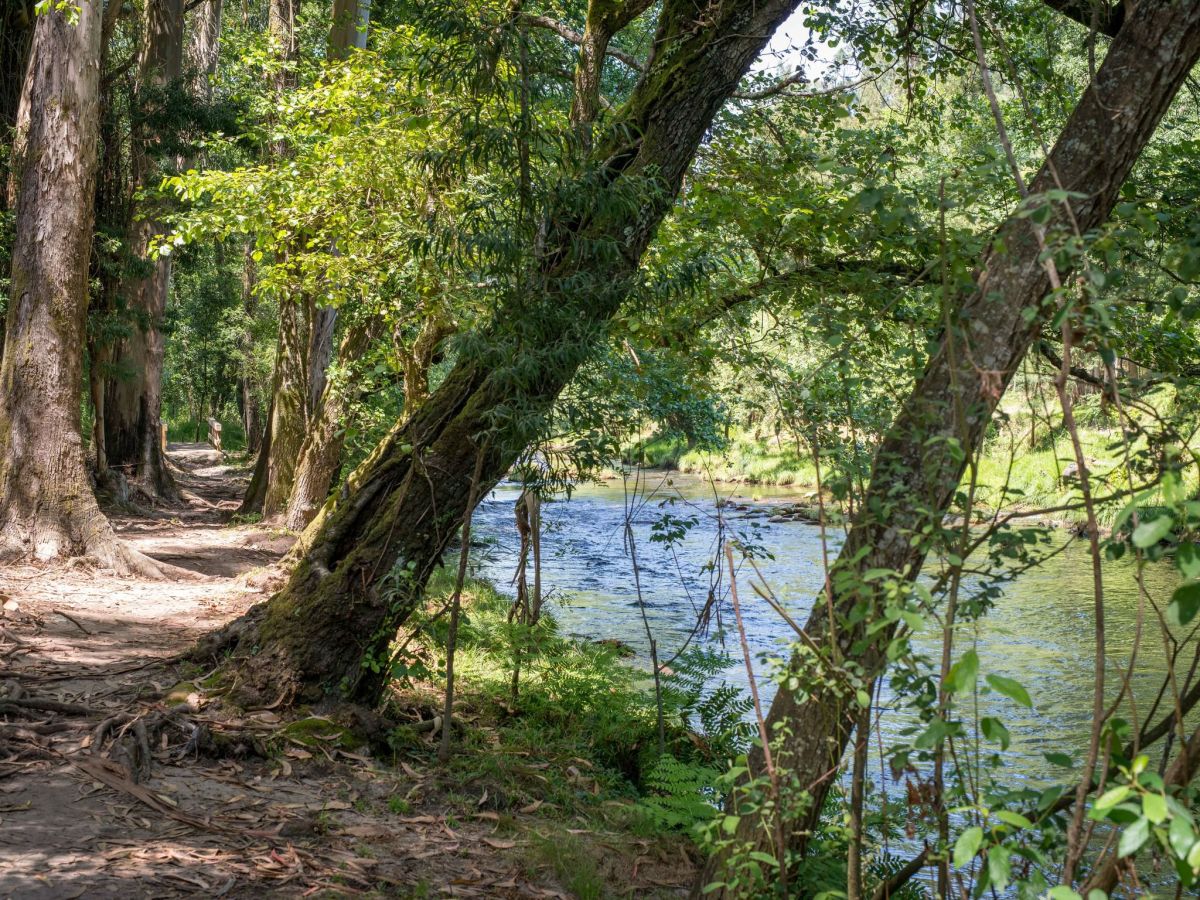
[[1040, 632]]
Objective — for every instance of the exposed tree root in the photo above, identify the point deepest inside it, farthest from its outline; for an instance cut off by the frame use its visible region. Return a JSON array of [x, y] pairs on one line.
[[106, 552], [214, 646]]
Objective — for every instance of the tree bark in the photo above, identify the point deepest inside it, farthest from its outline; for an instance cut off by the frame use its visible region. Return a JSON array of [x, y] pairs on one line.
[[16, 31], [253, 424], [917, 469], [370, 555], [133, 405], [350, 21], [322, 451], [305, 345], [417, 360], [204, 47], [47, 508], [291, 403]]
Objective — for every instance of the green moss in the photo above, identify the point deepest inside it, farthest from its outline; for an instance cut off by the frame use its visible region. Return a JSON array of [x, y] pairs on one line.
[[318, 731]]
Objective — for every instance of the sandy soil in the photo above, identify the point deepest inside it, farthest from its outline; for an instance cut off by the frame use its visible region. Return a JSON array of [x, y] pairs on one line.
[[86, 659]]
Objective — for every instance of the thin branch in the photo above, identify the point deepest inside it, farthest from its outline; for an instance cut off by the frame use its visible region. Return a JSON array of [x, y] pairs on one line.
[[797, 77]]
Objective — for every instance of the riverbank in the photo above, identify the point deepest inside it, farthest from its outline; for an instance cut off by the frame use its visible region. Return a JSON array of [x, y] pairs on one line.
[[1028, 472]]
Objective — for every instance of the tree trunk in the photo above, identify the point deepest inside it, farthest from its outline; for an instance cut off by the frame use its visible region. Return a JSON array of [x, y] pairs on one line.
[[256, 490], [16, 30], [133, 406], [350, 21], [322, 451], [917, 468], [113, 212], [330, 628], [204, 47], [253, 423], [418, 360], [17, 20], [47, 508], [305, 344], [290, 404]]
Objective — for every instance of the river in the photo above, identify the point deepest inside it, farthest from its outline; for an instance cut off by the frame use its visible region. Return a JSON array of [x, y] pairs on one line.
[[1040, 631]]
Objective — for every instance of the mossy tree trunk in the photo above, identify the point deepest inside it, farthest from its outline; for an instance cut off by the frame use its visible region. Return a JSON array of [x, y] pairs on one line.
[[369, 556], [307, 331], [47, 509], [922, 458], [321, 453], [291, 405], [307, 481]]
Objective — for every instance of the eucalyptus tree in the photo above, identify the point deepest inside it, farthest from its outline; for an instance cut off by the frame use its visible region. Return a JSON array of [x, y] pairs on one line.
[[292, 390], [47, 508], [132, 410], [203, 49], [297, 430], [367, 557], [16, 31], [995, 319]]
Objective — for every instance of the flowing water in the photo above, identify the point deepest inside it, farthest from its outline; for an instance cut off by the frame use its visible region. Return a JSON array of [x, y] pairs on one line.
[[1040, 632]]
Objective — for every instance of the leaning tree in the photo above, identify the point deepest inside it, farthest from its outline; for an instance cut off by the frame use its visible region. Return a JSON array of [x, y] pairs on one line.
[[368, 555], [921, 461]]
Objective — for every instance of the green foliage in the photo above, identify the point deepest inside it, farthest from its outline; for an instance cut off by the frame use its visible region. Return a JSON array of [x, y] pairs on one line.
[[580, 700], [680, 795], [207, 328]]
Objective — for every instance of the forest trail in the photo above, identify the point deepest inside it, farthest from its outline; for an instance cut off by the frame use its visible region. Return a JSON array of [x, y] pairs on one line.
[[84, 652]]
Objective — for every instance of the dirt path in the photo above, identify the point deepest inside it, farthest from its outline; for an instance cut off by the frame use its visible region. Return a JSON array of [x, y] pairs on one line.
[[82, 650]]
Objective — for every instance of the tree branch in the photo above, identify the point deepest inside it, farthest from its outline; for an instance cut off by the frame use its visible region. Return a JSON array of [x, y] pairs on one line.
[[1179, 774], [1076, 372], [797, 77], [574, 37], [897, 880]]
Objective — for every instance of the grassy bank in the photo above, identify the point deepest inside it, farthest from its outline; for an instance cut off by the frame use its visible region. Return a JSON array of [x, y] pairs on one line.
[[570, 768], [1027, 464]]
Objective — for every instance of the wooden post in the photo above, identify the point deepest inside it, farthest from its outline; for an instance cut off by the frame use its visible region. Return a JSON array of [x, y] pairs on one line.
[[163, 426], [214, 433]]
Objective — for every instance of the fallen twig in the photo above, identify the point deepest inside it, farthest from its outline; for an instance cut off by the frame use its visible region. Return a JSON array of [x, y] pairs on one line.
[[72, 620]]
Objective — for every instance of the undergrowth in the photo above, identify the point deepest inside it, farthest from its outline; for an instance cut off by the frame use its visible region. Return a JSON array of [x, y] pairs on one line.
[[582, 731], [571, 768]]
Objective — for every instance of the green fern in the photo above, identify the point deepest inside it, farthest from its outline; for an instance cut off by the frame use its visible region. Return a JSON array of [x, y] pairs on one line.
[[679, 795], [719, 716]]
